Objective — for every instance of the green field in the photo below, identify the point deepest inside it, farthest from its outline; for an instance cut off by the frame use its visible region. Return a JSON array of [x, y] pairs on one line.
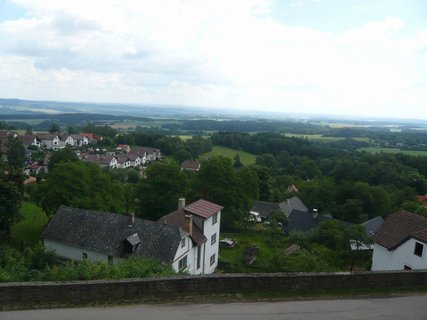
[[393, 150], [33, 221], [245, 157], [320, 137]]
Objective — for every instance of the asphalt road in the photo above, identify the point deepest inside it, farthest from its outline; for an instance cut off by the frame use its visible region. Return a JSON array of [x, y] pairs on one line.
[[411, 308]]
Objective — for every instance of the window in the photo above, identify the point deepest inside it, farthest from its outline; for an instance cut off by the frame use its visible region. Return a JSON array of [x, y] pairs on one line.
[[182, 242], [110, 259], [212, 259], [405, 267], [182, 264], [215, 218], [418, 250], [199, 256], [84, 255], [213, 238]]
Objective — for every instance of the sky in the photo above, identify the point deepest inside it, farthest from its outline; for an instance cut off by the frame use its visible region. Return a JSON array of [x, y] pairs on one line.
[[350, 57]]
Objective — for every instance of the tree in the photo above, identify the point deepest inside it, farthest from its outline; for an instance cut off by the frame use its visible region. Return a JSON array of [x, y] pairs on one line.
[[218, 182], [237, 163], [63, 155], [11, 194], [16, 152], [159, 192], [54, 127], [81, 185]]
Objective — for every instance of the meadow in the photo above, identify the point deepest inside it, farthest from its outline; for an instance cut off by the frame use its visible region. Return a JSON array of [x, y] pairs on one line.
[[245, 157]]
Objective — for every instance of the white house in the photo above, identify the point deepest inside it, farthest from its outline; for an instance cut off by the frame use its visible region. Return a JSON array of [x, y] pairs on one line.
[[79, 234], [400, 243], [201, 220], [50, 140]]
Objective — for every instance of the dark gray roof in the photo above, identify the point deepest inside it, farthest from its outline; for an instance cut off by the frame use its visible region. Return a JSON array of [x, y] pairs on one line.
[[264, 208], [371, 226], [293, 203], [105, 232], [304, 221]]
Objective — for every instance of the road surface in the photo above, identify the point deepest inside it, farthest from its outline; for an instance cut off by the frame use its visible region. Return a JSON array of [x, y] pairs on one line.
[[410, 308]]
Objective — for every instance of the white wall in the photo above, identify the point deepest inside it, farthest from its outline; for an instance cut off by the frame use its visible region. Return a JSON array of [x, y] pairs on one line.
[[382, 259], [209, 229], [75, 253]]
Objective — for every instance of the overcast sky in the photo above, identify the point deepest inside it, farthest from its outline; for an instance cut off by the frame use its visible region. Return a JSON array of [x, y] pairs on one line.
[[362, 57]]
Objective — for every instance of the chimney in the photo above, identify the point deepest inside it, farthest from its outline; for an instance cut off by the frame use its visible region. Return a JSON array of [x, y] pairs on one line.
[[181, 203], [131, 220], [189, 223], [315, 214]]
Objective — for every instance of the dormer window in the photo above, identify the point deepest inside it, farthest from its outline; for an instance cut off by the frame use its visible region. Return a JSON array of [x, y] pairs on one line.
[[131, 243]]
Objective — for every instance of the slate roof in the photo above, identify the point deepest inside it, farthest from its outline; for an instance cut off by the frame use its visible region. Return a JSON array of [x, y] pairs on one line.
[[203, 208], [304, 221], [400, 227], [371, 226], [105, 232], [293, 203], [264, 208]]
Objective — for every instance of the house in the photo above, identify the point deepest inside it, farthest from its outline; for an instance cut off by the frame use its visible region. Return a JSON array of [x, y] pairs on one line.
[[134, 159], [190, 165], [75, 140], [370, 227], [31, 140], [148, 154], [305, 221], [201, 221], [265, 208], [50, 140], [79, 234], [422, 199], [101, 160], [123, 162], [400, 243], [123, 148], [293, 203]]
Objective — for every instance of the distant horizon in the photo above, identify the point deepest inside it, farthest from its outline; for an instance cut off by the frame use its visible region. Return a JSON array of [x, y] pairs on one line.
[[355, 58], [224, 112]]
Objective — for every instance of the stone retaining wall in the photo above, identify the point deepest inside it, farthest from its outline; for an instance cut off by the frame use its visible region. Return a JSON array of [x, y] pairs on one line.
[[189, 288]]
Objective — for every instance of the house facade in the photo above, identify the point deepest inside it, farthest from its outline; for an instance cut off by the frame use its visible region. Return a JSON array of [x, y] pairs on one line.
[[79, 234], [400, 243], [201, 221]]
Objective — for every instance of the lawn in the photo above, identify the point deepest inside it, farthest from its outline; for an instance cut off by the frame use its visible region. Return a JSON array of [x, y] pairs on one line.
[[29, 229], [245, 157], [393, 150], [231, 259]]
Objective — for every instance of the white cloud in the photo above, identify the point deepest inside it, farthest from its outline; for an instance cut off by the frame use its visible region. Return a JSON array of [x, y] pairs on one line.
[[209, 52]]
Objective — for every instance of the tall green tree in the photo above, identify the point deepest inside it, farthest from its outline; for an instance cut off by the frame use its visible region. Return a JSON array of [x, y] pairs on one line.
[[81, 185], [11, 192], [217, 181], [159, 192], [63, 155], [16, 152]]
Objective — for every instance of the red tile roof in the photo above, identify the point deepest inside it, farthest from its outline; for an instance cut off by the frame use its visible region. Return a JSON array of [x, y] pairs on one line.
[[203, 208], [399, 227]]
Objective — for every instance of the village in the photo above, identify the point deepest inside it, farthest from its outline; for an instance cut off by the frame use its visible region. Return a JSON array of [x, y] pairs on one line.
[[189, 239]]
